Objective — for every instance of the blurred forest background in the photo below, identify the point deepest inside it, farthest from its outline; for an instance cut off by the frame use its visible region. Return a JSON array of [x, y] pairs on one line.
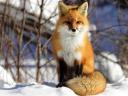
[[26, 27]]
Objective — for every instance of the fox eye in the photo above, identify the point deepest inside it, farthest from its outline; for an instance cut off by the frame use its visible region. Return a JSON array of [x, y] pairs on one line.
[[78, 22], [67, 22]]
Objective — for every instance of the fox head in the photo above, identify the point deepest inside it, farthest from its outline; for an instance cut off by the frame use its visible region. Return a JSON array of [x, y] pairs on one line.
[[73, 19]]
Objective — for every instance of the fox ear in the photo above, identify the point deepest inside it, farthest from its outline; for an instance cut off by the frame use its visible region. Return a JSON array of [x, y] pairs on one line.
[[63, 8], [83, 8]]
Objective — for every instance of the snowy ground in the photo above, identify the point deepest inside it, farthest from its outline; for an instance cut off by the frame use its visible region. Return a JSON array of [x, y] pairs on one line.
[[120, 89], [36, 90], [8, 87]]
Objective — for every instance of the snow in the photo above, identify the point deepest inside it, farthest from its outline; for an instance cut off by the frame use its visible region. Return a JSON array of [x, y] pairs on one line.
[[11, 88], [6, 79], [8, 87], [48, 70], [36, 90], [107, 64], [120, 89]]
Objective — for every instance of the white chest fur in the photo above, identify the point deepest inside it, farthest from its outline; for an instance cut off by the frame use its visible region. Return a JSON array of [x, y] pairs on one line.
[[69, 45], [69, 57]]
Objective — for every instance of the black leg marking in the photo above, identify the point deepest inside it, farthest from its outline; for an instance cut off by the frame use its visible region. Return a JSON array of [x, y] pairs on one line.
[[71, 73], [78, 69], [67, 72], [62, 70]]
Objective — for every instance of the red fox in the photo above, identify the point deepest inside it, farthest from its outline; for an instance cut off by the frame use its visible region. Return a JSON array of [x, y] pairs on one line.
[[70, 43]]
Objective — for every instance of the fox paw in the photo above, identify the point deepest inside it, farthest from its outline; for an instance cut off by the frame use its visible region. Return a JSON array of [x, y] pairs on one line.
[[61, 84]]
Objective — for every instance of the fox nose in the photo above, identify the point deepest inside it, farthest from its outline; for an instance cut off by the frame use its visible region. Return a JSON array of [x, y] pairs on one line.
[[73, 30]]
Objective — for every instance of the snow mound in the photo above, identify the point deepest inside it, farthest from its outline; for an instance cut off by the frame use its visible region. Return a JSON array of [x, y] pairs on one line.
[[6, 79], [109, 67]]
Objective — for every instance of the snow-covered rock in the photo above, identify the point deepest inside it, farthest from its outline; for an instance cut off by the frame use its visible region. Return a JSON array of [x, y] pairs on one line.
[[109, 67]]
